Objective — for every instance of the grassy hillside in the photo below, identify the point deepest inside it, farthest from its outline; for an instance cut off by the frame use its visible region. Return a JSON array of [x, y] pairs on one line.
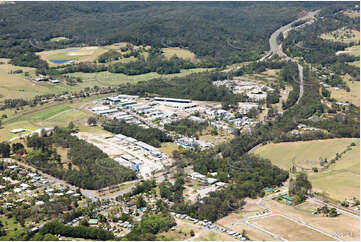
[[282, 154], [343, 179], [340, 180]]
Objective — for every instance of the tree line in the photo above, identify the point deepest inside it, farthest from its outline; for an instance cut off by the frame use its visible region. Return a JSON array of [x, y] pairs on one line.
[[85, 160], [152, 136]]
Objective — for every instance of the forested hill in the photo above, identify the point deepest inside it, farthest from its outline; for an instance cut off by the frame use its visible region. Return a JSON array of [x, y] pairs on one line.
[[237, 31]]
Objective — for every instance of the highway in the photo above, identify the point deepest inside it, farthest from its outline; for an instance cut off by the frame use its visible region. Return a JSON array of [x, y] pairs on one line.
[[276, 48]]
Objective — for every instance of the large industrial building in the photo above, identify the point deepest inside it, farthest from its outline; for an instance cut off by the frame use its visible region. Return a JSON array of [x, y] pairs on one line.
[[174, 100]]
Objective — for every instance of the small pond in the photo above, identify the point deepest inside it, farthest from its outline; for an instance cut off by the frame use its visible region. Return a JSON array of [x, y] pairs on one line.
[[72, 49], [61, 61]]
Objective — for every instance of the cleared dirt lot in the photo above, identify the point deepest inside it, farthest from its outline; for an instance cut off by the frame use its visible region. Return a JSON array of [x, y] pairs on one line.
[[289, 230], [251, 232], [347, 225]]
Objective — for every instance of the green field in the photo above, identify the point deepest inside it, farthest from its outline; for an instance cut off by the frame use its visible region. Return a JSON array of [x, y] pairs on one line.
[[212, 236], [340, 180], [16, 85]]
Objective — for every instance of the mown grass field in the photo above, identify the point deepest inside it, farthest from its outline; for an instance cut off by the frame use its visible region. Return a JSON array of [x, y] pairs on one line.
[[212, 236], [352, 97], [54, 114], [340, 181]]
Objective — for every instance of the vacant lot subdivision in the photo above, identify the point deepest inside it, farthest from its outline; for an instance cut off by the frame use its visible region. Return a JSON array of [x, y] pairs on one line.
[[290, 230], [346, 226]]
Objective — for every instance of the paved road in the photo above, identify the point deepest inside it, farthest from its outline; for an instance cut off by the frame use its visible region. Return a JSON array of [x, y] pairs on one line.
[[276, 48]]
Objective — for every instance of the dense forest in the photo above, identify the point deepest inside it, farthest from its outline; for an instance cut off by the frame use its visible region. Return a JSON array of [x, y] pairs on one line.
[[86, 160], [227, 31]]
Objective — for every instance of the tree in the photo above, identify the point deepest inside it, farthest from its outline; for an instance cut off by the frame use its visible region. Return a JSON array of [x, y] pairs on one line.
[[300, 186], [92, 121], [50, 237], [141, 203], [4, 149]]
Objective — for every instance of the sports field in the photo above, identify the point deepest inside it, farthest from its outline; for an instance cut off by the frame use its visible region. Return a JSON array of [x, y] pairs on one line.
[[54, 114]]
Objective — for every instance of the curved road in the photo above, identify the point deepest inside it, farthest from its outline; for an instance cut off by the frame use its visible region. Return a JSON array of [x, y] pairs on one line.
[[276, 49]]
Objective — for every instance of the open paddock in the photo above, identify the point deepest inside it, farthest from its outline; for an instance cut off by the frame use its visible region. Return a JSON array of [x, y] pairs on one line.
[[282, 154]]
